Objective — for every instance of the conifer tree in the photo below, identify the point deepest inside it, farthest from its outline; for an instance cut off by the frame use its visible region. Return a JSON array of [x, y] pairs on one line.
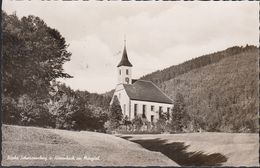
[[179, 114], [115, 114]]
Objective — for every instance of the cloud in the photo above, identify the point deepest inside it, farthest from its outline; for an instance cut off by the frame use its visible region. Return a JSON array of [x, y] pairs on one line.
[[92, 64]]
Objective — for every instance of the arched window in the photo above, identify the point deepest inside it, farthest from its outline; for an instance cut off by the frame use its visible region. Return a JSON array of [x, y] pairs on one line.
[[127, 71], [119, 71]]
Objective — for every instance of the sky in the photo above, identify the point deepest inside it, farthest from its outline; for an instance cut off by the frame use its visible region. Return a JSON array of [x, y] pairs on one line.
[[158, 34]]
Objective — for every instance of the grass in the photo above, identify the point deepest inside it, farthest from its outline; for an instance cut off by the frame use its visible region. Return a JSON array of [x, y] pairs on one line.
[[197, 149], [203, 149], [35, 142], [177, 151], [112, 151]]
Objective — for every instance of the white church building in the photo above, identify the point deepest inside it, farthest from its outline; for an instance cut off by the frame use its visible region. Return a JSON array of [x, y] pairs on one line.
[[139, 97]]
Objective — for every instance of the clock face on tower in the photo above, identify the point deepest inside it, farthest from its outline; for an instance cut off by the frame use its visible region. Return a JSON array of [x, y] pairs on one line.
[[127, 80]]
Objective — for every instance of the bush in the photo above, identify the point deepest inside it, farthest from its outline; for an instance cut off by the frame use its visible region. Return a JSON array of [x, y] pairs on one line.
[[151, 131], [160, 125], [137, 123]]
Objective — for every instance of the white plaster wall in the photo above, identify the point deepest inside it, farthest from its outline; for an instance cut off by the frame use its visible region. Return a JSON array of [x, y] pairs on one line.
[[129, 105], [123, 99], [148, 109], [121, 78]]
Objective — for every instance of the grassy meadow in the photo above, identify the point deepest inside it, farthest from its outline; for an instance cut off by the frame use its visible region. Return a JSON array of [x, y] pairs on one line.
[[198, 149], [111, 151], [204, 149]]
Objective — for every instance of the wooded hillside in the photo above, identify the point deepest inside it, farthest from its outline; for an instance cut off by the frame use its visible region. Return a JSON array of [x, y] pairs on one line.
[[220, 90]]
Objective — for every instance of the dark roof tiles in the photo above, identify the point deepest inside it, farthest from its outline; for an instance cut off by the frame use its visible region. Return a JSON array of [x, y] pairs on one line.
[[146, 91]]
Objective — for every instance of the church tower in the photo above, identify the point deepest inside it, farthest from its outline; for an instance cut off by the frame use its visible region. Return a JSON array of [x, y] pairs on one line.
[[124, 69]]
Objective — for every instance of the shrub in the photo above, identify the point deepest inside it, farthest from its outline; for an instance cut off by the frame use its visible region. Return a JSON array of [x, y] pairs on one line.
[[137, 123]]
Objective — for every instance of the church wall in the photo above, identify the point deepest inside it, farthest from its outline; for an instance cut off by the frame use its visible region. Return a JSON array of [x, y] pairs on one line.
[[148, 105], [123, 99]]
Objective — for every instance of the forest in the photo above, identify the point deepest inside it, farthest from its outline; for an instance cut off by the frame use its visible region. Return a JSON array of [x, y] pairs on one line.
[[215, 92], [220, 90]]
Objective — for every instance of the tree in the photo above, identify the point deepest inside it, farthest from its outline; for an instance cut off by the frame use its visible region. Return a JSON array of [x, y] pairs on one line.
[[98, 118], [33, 55], [61, 106], [161, 123], [179, 114], [11, 114], [73, 111], [138, 122], [33, 112], [126, 121], [115, 114]]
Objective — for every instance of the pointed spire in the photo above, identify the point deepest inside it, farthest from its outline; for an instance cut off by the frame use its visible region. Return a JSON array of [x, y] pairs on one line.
[[124, 61]]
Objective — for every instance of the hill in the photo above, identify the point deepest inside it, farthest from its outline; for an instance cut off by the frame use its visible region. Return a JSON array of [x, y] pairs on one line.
[[203, 149], [220, 90], [199, 149], [108, 150]]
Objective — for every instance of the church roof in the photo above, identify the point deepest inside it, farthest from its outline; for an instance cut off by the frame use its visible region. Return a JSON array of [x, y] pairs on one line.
[[124, 61], [146, 91]]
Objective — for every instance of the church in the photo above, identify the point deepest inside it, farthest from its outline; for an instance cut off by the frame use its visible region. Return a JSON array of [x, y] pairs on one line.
[[139, 97]]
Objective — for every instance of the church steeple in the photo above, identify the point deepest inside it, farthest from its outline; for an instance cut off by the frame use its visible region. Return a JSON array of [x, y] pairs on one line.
[[124, 60], [124, 69]]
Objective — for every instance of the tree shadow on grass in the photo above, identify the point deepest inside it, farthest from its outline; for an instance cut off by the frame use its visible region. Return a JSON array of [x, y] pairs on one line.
[[177, 151]]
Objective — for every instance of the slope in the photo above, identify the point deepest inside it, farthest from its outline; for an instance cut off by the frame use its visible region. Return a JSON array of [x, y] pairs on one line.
[[103, 149], [221, 96]]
